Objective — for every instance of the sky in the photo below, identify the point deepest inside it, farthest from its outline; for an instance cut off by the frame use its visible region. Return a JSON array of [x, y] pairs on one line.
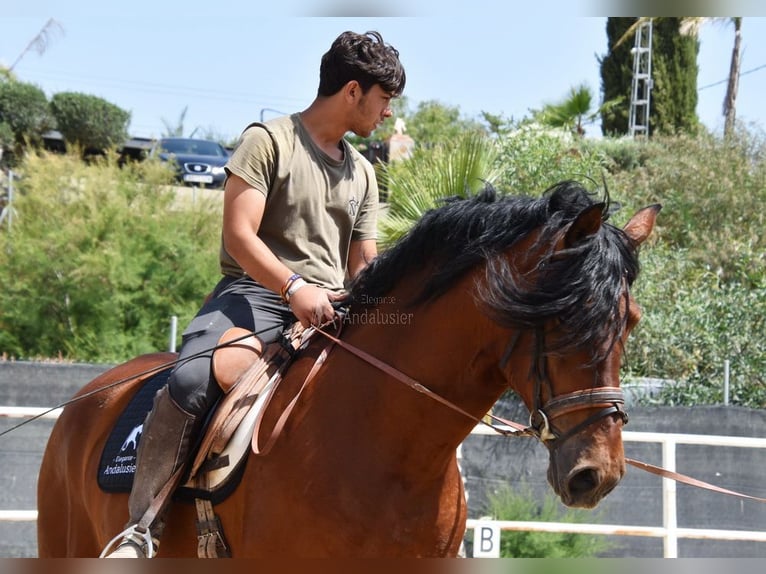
[[228, 63]]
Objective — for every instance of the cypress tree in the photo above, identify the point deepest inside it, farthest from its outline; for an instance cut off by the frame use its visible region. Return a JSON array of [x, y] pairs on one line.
[[674, 94], [674, 76], [616, 76]]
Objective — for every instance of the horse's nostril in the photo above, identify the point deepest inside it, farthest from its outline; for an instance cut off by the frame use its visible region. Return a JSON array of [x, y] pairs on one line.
[[583, 482]]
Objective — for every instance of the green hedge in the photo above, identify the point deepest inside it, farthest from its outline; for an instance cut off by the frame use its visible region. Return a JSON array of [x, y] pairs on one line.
[[99, 258]]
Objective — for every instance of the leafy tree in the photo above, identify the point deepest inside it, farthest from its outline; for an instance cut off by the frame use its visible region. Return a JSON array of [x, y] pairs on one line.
[[24, 109], [89, 122], [434, 122]]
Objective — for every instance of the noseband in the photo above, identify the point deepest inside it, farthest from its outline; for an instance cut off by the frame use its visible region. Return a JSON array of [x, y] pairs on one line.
[[610, 400]]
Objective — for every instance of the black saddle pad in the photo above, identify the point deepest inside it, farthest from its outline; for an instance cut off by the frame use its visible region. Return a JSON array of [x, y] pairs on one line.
[[118, 460]]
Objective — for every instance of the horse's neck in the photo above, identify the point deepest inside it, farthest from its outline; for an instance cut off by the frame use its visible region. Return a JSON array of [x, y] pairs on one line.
[[446, 346]]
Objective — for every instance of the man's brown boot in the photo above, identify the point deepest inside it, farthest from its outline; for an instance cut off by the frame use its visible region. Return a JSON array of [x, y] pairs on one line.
[[164, 447]]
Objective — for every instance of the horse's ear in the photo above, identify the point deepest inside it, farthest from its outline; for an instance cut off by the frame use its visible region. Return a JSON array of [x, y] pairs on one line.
[[641, 224], [587, 223]]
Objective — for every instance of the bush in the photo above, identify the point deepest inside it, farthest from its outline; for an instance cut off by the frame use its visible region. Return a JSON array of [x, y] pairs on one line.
[[507, 504], [98, 260], [89, 122], [692, 322], [712, 191], [703, 282], [532, 158]]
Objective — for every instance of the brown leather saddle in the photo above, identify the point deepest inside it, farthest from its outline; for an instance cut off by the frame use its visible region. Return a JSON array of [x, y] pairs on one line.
[[247, 380]]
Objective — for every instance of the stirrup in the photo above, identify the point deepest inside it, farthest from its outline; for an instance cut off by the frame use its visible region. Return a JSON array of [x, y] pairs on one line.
[[133, 535]]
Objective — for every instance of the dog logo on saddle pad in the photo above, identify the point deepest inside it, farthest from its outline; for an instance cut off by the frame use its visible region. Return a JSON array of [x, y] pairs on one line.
[[132, 438], [118, 459]]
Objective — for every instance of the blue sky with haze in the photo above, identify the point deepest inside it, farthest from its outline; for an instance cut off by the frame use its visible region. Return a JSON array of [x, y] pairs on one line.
[[229, 64]]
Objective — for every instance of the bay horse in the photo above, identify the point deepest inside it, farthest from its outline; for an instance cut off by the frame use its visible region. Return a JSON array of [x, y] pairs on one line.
[[484, 294]]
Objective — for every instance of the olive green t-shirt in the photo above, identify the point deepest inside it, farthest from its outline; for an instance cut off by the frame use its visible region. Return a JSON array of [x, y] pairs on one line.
[[315, 205]]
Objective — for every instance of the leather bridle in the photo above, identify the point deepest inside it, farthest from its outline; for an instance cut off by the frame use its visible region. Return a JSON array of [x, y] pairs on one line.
[[609, 399], [542, 414]]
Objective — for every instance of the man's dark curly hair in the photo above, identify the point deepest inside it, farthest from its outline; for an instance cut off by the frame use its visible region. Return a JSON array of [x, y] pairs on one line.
[[365, 58]]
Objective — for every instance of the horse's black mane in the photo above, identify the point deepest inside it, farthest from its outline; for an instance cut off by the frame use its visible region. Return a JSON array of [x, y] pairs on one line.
[[580, 286]]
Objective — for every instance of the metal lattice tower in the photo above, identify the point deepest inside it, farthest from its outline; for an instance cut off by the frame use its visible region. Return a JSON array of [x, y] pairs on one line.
[[641, 86]]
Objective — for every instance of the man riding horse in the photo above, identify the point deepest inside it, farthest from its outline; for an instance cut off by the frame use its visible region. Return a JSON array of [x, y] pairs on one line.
[[299, 219]]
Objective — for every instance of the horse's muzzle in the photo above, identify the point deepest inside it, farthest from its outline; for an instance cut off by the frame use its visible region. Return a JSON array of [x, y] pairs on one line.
[[586, 485]]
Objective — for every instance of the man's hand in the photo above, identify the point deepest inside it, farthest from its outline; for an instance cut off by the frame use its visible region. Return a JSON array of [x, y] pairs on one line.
[[312, 305]]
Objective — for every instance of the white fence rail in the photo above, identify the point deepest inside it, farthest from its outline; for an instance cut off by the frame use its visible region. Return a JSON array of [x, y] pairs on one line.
[[28, 412], [668, 531]]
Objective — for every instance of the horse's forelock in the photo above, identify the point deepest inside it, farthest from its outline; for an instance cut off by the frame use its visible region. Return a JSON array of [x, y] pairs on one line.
[[581, 288]]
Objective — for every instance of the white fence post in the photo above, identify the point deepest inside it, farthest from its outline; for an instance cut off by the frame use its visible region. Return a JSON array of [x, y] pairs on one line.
[[669, 514], [173, 333]]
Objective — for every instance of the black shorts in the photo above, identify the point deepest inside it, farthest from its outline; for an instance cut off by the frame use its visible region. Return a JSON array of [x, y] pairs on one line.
[[235, 302]]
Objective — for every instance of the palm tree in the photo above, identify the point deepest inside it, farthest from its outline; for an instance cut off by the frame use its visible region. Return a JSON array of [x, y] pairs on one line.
[[691, 26], [41, 41], [457, 167], [175, 130], [573, 112], [569, 113]]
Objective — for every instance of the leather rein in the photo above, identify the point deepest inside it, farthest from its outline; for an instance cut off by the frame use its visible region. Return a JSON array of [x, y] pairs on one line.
[[610, 399]]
